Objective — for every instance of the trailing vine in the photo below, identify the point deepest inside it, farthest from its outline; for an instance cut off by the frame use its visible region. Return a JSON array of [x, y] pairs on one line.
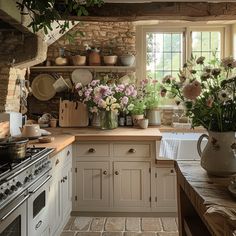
[[45, 12]]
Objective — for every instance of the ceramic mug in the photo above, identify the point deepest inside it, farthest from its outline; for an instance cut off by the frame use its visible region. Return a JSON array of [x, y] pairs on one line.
[[143, 123], [53, 123]]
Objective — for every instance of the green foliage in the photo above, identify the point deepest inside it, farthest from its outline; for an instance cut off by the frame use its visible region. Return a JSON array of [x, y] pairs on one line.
[[44, 12]]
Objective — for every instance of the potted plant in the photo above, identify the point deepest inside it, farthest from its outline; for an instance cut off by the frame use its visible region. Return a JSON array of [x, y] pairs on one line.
[[110, 59], [208, 91], [94, 57], [137, 109], [78, 59], [152, 88]]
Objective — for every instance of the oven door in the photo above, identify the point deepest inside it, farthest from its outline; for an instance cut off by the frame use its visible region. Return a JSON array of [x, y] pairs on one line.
[[38, 207], [13, 220]]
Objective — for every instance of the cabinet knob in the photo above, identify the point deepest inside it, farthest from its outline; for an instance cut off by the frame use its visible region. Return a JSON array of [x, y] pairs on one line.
[[105, 172], [57, 162], [171, 171], [65, 178], [62, 180], [117, 172], [91, 150], [132, 150], [68, 153]]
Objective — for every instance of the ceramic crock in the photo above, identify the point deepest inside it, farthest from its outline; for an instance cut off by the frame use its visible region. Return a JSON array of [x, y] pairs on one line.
[[219, 156]]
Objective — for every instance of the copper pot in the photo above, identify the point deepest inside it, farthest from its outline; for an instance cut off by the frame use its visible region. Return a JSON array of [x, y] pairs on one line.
[[13, 148]]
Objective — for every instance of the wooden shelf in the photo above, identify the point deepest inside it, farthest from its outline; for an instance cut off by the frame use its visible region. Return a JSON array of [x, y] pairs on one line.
[[91, 68]]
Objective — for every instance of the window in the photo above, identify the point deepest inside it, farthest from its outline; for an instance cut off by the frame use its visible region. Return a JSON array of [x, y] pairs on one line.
[[164, 53], [206, 42], [165, 48]]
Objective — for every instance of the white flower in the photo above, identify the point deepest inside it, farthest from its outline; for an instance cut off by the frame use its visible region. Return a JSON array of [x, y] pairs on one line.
[[130, 107], [223, 96], [107, 108], [115, 106], [80, 93], [102, 104]]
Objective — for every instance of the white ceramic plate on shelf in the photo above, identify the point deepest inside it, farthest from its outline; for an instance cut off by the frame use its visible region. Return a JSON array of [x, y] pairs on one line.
[[82, 76], [42, 87]]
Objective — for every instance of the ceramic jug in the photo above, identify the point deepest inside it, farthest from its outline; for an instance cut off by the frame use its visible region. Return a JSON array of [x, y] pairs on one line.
[[219, 156]]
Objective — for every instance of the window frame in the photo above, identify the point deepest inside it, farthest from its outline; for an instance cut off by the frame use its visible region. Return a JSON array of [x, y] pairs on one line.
[[186, 29]]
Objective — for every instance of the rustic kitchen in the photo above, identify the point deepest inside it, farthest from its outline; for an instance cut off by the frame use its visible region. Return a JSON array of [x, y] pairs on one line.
[[117, 118]]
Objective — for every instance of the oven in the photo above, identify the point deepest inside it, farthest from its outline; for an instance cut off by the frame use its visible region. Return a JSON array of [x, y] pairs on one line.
[[38, 207], [13, 218]]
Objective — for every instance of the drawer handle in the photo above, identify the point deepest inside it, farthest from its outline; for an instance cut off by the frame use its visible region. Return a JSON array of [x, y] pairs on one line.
[[172, 171], [68, 153], [132, 150], [91, 150], [57, 162], [105, 172], [117, 172]]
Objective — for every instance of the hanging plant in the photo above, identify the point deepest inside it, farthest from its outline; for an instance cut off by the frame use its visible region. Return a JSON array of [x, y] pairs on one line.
[[45, 12]]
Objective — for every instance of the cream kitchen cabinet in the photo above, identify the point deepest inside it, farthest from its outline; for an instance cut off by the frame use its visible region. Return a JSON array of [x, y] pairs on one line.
[[60, 191], [93, 181], [165, 189], [112, 176], [131, 184]]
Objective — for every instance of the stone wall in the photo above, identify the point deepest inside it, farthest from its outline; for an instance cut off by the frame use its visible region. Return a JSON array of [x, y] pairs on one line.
[[121, 36], [118, 36], [17, 52]]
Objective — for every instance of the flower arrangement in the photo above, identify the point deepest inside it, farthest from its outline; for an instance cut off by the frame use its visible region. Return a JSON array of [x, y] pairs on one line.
[[109, 97], [208, 91], [151, 89]]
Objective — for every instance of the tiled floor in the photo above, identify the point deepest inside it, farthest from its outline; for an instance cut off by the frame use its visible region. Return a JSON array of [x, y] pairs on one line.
[[121, 226]]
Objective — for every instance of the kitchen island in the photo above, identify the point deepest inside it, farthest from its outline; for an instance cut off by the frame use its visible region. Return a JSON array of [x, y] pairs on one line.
[[205, 206]]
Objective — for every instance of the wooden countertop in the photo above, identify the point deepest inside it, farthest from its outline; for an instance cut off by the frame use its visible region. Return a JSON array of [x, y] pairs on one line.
[[209, 197], [60, 142], [119, 134]]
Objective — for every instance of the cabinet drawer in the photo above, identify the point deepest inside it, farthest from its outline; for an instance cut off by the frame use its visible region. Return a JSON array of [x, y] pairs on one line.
[[92, 150], [132, 150]]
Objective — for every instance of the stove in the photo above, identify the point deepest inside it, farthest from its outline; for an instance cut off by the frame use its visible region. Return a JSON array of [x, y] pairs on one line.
[[16, 177]]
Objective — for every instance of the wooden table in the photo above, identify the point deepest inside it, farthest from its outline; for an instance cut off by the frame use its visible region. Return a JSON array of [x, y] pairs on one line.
[[205, 206]]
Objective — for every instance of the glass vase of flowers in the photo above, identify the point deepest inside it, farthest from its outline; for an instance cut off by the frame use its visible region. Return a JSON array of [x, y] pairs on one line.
[[208, 92], [107, 100]]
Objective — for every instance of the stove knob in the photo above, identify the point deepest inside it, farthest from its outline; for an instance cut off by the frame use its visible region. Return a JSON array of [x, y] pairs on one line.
[[18, 184], [30, 176], [8, 192], [2, 196], [13, 188], [36, 172], [26, 179]]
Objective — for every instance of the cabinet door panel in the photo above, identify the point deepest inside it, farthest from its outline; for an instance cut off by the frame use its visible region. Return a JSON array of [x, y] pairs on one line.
[[93, 183], [166, 187], [66, 190], [131, 184]]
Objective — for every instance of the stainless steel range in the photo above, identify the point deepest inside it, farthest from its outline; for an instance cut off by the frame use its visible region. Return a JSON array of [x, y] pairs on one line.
[[24, 188]]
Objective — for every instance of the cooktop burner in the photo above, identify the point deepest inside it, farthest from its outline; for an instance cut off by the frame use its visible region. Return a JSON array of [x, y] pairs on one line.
[[31, 154]]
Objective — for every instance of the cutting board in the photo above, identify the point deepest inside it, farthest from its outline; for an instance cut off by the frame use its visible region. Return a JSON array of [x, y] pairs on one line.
[[73, 114]]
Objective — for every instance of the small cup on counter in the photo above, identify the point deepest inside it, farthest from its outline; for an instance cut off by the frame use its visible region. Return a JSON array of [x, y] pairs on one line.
[[143, 123], [53, 123]]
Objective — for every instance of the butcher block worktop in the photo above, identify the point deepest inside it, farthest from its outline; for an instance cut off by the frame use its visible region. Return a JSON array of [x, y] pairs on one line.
[[205, 205], [66, 136], [119, 134]]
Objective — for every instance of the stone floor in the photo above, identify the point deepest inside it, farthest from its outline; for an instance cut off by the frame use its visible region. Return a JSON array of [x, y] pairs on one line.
[[121, 226]]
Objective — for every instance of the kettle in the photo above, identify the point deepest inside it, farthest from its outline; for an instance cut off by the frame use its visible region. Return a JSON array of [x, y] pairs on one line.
[[31, 131]]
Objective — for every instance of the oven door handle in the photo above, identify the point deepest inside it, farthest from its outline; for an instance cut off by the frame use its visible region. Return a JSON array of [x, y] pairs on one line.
[[15, 207], [38, 187]]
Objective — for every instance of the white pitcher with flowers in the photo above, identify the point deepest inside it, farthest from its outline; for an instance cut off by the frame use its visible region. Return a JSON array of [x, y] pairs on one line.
[[208, 92]]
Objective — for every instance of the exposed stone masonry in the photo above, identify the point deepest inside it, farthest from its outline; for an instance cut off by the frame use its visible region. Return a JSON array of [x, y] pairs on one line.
[[119, 36]]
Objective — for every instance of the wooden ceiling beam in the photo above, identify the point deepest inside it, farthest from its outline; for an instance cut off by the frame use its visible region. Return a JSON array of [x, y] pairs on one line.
[[196, 11]]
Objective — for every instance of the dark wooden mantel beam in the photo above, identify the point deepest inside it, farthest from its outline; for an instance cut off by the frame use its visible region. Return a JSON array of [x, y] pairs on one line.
[[197, 11]]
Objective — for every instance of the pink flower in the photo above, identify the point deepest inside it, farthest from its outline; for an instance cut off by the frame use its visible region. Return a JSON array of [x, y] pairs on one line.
[[193, 90], [144, 81], [120, 88], [124, 100], [154, 81], [134, 93], [95, 82], [128, 91]]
